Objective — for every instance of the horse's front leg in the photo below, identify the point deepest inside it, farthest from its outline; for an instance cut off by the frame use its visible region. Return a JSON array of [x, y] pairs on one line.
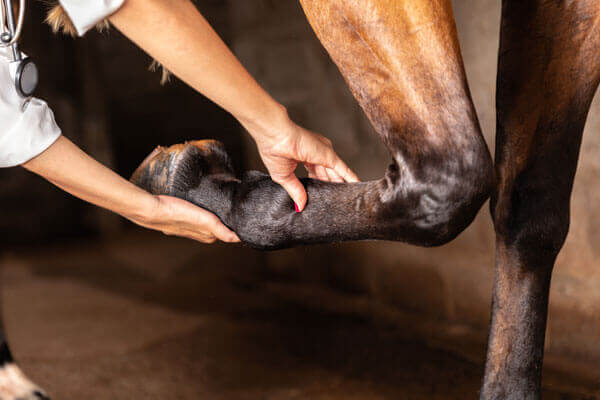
[[548, 72], [402, 62]]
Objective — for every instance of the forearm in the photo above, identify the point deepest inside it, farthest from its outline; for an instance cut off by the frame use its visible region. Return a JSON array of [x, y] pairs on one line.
[[178, 36], [69, 168]]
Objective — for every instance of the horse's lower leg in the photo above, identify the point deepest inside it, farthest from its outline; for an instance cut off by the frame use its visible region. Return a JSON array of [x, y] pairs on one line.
[[402, 61], [14, 385], [548, 72]]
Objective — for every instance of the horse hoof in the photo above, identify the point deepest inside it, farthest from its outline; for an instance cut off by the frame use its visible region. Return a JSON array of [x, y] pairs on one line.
[[175, 169], [14, 385]]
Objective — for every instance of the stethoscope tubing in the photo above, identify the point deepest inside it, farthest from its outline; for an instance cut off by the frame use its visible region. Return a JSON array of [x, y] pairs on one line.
[[8, 21], [26, 72]]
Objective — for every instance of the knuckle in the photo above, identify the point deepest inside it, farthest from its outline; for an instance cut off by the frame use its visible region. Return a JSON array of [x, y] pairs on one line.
[[213, 220], [340, 167]]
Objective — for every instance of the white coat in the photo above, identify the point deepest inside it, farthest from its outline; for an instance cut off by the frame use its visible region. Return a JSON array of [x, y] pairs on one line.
[[27, 127]]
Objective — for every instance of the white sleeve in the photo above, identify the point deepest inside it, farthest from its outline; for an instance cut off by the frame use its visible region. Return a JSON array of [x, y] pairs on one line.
[[85, 14], [27, 128]]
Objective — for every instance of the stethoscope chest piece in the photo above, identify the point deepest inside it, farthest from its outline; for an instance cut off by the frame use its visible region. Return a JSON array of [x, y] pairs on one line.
[[26, 78]]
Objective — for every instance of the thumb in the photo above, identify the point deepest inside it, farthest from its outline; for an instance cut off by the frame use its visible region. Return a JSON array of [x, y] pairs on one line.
[[295, 189]]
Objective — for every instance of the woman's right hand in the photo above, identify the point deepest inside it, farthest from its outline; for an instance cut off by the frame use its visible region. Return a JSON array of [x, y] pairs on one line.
[[177, 217]]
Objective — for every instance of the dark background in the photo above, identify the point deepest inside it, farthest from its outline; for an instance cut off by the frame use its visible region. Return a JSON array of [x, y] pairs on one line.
[[107, 101]]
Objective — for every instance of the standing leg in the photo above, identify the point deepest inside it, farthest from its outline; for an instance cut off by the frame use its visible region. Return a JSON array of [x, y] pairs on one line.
[[549, 63], [14, 385]]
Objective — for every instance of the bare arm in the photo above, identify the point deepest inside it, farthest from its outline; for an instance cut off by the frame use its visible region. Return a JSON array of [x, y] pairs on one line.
[[179, 37], [69, 168], [176, 34]]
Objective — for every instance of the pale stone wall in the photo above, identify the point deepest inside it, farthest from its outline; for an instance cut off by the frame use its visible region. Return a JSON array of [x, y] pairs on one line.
[[451, 284]]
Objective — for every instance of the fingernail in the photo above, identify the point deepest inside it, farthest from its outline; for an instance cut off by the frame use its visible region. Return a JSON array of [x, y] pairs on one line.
[[296, 207]]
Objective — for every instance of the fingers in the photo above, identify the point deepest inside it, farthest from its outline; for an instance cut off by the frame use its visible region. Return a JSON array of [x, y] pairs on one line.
[[311, 169], [312, 150], [295, 189], [221, 232], [181, 218], [327, 174], [321, 173], [200, 238], [342, 170], [209, 225], [338, 168], [333, 176], [210, 234], [323, 155]]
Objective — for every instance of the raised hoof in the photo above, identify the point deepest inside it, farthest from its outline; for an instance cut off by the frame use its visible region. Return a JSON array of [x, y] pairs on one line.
[[14, 385], [174, 170]]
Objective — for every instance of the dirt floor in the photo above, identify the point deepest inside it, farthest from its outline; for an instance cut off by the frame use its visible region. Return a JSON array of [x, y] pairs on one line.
[[146, 316]]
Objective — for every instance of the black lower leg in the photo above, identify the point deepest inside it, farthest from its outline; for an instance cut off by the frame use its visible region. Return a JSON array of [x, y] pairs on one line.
[[429, 208], [516, 342], [5, 354], [547, 75]]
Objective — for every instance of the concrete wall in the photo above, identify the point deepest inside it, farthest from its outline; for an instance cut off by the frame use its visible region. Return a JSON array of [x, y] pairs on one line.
[[448, 287]]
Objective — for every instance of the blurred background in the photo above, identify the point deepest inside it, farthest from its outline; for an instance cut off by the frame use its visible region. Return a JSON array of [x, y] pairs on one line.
[[98, 308]]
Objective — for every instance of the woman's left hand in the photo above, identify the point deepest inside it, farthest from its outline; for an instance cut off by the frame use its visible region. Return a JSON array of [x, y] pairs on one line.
[[286, 144]]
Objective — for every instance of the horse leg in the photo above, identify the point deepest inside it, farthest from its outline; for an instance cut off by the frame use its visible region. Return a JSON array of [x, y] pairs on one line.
[[14, 385], [549, 64], [402, 62]]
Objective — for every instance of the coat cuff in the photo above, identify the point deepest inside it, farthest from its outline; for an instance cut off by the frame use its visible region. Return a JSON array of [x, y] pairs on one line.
[[27, 126], [85, 14], [29, 134]]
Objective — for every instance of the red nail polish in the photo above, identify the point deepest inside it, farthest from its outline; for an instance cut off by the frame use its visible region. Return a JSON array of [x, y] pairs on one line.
[[296, 207]]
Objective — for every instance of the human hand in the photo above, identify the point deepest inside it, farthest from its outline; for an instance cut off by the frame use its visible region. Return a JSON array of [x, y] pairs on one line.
[[285, 144], [177, 217]]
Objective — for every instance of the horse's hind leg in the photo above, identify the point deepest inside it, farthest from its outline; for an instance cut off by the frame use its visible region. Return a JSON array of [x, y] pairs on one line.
[[548, 72]]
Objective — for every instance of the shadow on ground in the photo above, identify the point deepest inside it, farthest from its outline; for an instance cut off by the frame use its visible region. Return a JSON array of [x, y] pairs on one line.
[[145, 316]]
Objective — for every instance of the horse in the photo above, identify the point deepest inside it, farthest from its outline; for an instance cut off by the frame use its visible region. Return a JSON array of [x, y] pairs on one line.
[[402, 62]]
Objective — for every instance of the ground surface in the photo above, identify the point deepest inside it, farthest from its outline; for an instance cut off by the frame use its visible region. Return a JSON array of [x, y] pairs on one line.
[[159, 318]]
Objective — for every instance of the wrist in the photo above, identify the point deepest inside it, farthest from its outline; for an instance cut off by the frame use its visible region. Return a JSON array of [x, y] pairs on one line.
[[269, 125], [146, 209]]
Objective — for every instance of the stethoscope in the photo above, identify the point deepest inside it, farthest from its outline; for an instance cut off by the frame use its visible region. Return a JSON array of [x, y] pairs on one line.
[[26, 72]]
